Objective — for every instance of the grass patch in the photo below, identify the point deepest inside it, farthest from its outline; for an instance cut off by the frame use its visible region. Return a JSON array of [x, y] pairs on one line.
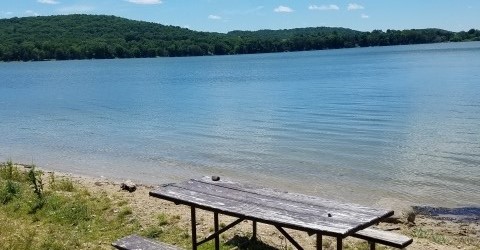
[[124, 212], [429, 235], [10, 172], [63, 184], [57, 216], [122, 203], [163, 219], [166, 229]]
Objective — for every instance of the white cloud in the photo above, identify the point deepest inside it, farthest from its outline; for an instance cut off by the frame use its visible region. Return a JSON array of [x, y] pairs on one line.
[[48, 1], [324, 7], [145, 1], [284, 9], [365, 16], [31, 13], [354, 6], [214, 17], [76, 9]]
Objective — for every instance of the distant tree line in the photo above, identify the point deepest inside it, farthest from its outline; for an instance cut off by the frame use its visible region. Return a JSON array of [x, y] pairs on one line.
[[69, 37]]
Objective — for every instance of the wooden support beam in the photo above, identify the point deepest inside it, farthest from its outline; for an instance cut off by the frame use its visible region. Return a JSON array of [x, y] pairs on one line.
[[319, 241], [212, 236], [289, 238], [254, 230], [217, 236], [339, 243], [133, 242], [194, 228]]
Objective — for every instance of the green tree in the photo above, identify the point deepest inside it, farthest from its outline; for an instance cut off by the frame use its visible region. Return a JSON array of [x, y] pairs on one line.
[[98, 36]]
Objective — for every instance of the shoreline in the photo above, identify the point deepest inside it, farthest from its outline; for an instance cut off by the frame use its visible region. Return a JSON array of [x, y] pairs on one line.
[[429, 232], [344, 190], [399, 206]]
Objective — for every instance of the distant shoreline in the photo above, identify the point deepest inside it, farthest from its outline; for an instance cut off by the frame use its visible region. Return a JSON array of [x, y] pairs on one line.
[[79, 37]]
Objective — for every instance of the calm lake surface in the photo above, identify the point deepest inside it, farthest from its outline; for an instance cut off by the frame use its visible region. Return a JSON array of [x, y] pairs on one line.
[[359, 125]]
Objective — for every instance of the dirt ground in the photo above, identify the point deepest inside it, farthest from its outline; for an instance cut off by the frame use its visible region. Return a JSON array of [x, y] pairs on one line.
[[427, 232]]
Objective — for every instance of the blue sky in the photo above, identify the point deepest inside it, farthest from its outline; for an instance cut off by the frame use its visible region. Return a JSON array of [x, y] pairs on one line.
[[227, 15]]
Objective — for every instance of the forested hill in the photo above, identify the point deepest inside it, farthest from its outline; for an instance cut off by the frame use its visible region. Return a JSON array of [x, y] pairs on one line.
[[97, 36]]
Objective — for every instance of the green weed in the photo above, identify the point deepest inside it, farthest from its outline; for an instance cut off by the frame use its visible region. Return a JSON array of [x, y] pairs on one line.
[[35, 179], [9, 191]]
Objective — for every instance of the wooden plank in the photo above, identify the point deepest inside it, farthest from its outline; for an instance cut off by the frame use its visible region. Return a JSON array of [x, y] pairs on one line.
[[307, 199], [251, 211], [384, 237], [333, 210], [303, 210], [273, 207], [135, 242]]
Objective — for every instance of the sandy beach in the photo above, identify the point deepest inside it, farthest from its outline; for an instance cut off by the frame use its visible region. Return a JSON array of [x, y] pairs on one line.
[[427, 232]]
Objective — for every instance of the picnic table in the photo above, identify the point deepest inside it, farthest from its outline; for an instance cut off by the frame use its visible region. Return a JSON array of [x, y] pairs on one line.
[[311, 214]]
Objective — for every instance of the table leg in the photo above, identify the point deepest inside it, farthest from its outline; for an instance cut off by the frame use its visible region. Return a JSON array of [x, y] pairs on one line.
[[217, 237], [319, 241], [194, 228], [339, 243], [254, 230]]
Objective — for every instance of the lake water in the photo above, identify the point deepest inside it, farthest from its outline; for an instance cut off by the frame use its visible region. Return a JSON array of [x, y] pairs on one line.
[[360, 125]]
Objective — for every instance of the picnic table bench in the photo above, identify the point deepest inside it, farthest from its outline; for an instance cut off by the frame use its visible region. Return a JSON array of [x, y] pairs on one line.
[[311, 214], [135, 242]]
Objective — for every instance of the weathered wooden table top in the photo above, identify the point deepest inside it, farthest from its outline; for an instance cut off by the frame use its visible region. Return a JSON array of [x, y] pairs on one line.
[[297, 211]]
